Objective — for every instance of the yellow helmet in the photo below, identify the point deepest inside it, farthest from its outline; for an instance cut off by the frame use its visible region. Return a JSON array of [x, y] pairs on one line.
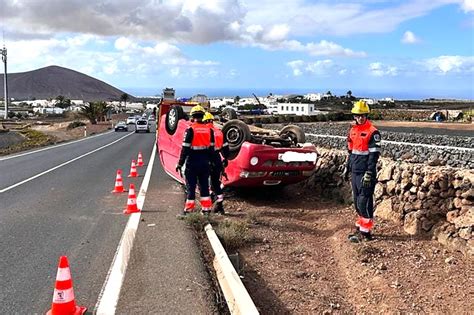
[[208, 117], [197, 110], [360, 108]]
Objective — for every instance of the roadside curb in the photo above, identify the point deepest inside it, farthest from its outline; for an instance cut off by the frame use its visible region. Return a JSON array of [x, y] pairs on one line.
[[236, 295]]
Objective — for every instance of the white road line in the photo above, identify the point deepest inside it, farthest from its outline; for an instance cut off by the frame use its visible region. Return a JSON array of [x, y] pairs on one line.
[[61, 165], [52, 147], [110, 293], [431, 146]]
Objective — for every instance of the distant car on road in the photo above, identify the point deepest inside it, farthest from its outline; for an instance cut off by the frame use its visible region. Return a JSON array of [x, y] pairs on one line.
[[142, 125], [151, 118], [121, 126], [131, 120]]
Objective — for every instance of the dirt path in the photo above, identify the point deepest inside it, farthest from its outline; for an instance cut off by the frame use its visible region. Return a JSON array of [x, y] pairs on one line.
[[300, 262]]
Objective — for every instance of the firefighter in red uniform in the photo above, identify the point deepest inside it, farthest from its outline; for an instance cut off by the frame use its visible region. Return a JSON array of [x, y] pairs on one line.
[[218, 163], [196, 153], [363, 144]]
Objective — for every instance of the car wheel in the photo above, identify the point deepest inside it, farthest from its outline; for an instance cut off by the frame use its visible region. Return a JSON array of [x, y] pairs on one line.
[[175, 113], [236, 132], [295, 133], [228, 114]]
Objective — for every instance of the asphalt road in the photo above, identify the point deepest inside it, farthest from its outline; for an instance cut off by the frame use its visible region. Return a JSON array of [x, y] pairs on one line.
[[67, 211]]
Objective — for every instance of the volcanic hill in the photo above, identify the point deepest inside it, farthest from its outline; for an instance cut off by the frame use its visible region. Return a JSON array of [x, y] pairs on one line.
[[51, 81]]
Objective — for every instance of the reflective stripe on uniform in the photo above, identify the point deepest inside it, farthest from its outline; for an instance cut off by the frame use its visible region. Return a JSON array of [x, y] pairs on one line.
[[199, 147], [374, 149], [357, 152], [185, 144]]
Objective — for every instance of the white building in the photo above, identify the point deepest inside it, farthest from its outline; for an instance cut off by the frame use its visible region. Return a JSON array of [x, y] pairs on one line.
[[370, 101], [313, 97], [297, 109], [48, 110]]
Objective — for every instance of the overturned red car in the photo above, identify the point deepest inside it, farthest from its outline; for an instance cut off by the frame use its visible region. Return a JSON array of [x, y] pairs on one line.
[[258, 157]]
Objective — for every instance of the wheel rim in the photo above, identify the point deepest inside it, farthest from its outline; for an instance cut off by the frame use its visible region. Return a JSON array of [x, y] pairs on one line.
[[172, 118], [233, 136]]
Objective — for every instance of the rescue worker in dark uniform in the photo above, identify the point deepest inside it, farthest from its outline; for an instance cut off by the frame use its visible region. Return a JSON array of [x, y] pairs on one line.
[[218, 163], [363, 143], [196, 152]]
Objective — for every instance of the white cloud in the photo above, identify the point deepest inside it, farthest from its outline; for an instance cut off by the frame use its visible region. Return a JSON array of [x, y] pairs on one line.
[[378, 69], [409, 38], [202, 21], [450, 64], [323, 48], [325, 67], [175, 72], [468, 5]]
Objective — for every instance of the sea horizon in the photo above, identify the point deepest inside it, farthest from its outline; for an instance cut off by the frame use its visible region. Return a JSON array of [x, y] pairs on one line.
[[261, 92]]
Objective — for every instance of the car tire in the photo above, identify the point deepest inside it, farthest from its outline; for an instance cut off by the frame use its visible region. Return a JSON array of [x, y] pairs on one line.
[[294, 132], [175, 113], [236, 132], [228, 114]]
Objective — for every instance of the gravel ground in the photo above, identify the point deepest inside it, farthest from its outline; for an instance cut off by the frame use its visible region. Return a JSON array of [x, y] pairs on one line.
[[9, 138]]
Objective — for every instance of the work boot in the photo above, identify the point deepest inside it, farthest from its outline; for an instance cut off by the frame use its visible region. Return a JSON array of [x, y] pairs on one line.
[[367, 236], [218, 207], [355, 236]]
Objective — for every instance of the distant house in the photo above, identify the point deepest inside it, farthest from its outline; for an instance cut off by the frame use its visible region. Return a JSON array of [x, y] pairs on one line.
[[298, 109], [49, 110], [313, 97], [370, 101]]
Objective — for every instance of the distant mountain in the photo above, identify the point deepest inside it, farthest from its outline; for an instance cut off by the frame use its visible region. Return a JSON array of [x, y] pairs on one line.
[[49, 82]]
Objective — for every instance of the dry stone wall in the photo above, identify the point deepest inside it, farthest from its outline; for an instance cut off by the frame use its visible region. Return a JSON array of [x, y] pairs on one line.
[[425, 200]]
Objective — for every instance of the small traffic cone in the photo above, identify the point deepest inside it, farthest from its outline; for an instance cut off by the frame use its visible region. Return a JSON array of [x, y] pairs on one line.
[[63, 296], [118, 183], [132, 201], [140, 160], [133, 170]]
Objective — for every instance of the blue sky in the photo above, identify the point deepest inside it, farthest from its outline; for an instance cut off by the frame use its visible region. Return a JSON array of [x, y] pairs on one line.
[[370, 46]]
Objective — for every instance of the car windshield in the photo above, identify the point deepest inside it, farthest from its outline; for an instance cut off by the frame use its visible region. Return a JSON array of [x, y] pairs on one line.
[[141, 122]]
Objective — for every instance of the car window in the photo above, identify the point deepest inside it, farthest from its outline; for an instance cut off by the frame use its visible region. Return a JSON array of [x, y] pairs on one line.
[[141, 122]]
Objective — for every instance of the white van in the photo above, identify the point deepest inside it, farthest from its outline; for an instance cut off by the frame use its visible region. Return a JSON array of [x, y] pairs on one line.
[[142, 125]]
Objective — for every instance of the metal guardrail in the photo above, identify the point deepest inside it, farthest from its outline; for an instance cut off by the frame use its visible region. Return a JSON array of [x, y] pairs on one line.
[[236, 295]]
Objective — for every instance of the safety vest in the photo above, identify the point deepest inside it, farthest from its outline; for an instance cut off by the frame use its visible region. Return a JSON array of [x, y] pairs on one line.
[[218, 137], [359, 137], [201, 137]]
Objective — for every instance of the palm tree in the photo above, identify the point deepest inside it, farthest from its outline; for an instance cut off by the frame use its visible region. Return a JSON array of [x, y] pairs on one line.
[[124, 98], [94, 111], [62, 102]]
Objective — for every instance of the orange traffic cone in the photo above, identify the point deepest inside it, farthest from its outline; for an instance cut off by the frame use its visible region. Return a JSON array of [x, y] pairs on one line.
[[140, 160], [118, 183], [63, 296], [133, 170], [132, 201]]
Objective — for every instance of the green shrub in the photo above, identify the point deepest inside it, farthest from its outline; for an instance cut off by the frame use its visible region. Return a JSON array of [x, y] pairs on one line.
[[75, 124], [233, 234], [297, 119]]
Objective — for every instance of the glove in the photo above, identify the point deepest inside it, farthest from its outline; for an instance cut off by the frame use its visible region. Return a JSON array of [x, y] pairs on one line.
[[367, 179], [178, 169], [346, 173], [225, 163]]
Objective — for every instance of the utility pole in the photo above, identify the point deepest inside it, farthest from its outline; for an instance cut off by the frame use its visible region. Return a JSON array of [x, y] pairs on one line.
[[5, 85]]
